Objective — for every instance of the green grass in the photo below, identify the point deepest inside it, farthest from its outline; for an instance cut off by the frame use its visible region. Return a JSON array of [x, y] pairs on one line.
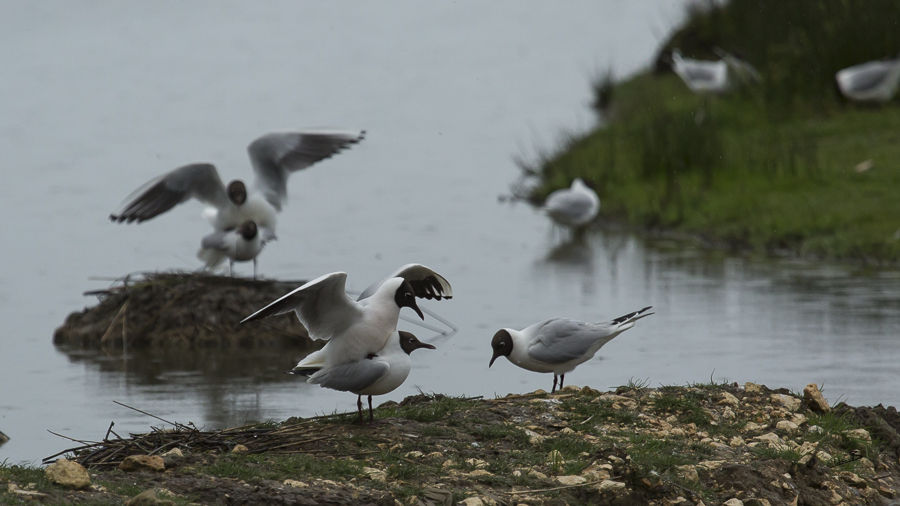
[[758, 170], [280, 467], [434, 408]]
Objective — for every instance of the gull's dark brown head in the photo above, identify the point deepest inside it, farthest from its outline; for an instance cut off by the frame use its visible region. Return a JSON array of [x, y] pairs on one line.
[[406, 297], [248, 230], [409, 342], [502, 344], [237, 192]]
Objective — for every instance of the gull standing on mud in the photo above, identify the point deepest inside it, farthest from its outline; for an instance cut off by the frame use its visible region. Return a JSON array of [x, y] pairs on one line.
[[355, 329], [558, 345], [274, 157], [573, 207], [376, 374]]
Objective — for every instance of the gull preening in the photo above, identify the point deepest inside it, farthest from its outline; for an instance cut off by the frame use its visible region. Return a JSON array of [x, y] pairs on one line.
[[376, 374], [874, 81], [558, 345], [573, 207], [274, 156], [355, 329]]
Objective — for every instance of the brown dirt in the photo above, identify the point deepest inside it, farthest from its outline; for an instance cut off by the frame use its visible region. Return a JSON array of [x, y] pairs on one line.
[[183, 310]]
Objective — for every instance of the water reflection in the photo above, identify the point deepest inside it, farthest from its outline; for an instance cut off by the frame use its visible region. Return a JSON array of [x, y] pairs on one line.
[[226, 385]]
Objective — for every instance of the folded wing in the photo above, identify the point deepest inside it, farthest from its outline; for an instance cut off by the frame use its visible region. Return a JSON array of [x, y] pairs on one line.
[[276, 155], [351, 377], [199, 180]]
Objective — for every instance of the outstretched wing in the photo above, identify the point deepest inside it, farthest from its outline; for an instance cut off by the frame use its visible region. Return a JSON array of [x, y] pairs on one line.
[[276, 155], [322, 306], [351, 377], [198, 180], [426, 283]]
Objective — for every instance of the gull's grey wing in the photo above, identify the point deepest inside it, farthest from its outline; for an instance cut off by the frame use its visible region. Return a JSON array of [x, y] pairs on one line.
[[276, 155], [568, 204], [197, 180], [868, 78], [215, 240], [425, 282], [352, 376], [560, 340], [321, 305]]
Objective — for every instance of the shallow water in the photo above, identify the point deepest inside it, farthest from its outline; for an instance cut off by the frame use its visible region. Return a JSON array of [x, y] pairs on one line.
[[98, 98]]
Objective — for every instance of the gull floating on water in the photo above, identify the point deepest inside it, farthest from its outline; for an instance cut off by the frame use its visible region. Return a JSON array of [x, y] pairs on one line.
[[558, 345], [354, 329], [573, 207], [376, 374], [274, 157], [874, 81]]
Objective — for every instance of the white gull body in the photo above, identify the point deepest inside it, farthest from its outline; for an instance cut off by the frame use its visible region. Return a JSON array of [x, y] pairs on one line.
[[354, 329], [236, 245], [559, 345], [701, 76], [874, 81], [574, 207], [377, 374]]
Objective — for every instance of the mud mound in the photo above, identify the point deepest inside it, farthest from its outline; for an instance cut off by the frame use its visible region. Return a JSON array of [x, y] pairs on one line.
[[182, 310]]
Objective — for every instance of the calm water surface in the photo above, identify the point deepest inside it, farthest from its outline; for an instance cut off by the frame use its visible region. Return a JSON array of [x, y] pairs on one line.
[[99, 97]]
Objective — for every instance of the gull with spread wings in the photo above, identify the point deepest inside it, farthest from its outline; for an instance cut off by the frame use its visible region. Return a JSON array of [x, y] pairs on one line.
[[355, 329], [274, 157]]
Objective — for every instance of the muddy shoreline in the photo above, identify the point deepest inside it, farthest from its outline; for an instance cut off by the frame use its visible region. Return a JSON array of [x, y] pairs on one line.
[[686, 445]]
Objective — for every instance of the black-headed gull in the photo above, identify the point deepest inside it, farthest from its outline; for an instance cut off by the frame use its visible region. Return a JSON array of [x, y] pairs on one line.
[[240, 244], [274, 157], [376, 374], [574, 207], [355, 329], [558, 345], [874, 81]]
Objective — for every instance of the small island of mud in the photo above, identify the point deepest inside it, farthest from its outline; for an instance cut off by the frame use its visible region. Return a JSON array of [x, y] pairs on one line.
[[161, 310]]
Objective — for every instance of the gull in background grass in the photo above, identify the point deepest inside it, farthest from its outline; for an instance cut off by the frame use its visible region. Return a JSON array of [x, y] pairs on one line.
[[274, 156], [874, 81], [573, 207], [375, 374], [559, 345], [356, 329]]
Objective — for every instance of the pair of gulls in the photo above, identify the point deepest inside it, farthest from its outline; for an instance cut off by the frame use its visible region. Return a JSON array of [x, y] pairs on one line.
[[366, 355], [243, 219], [873, 81]]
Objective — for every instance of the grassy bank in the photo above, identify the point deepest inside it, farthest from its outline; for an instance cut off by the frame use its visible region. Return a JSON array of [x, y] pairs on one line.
[[783, 166], [687, 445]]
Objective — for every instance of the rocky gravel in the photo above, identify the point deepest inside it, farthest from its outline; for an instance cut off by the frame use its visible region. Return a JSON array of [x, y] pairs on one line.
[[681, 445]]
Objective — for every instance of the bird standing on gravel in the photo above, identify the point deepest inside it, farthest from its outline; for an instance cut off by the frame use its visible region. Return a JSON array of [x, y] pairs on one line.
[[376, 374], [559, 345]]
